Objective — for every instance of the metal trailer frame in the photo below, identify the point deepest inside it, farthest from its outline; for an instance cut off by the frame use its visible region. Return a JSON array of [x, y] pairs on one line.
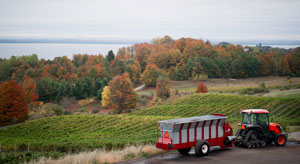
[[186, 132]]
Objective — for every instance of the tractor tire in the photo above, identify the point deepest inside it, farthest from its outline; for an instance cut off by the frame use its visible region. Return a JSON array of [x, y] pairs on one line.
[[250, 139], [184, 151], [262, 143], [247, 145], [280, 140], [202, 148]]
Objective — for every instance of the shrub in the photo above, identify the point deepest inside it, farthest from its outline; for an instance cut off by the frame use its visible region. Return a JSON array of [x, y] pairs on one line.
[[47, 110], [86, 101], [67, 103], [252, 91], [262, 85], [201, 88], [176, 92], [95, 110], [162, 87], [200, 77]]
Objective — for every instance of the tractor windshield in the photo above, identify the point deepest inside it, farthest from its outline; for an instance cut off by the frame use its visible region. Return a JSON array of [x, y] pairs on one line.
[[246, 118], [261, 119]]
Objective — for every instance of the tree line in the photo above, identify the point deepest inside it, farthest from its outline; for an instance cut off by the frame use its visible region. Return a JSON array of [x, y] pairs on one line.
[[86, 75]]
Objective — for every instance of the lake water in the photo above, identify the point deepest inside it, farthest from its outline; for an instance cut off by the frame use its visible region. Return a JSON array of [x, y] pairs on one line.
[[277, 46], [50, 51]]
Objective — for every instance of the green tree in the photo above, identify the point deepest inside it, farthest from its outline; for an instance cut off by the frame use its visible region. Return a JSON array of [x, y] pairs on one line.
[[150, 75], [48, 89], [110, 56]]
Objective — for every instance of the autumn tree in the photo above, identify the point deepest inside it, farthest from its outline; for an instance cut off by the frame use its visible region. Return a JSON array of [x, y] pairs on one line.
[[122, 95], [201, 88], [13, 103], [150, 75], [142, 52], [106, 97], [124, 53], [162, 87], [30, 89]]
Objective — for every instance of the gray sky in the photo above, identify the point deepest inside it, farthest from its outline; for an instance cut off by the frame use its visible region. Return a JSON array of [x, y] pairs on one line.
[[147, 19]]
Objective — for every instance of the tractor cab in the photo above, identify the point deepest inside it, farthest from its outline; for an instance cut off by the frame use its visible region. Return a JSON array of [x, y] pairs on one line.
[[256, 117], [256, 130]]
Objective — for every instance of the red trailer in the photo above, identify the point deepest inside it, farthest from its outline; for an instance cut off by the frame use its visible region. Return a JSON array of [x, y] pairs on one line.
[[200, 132]]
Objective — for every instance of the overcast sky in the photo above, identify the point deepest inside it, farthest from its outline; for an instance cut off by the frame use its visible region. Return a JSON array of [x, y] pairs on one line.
[[147, 19]]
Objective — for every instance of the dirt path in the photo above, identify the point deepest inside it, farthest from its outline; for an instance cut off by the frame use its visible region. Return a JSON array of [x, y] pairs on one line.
[[268, 155], [139, 87]]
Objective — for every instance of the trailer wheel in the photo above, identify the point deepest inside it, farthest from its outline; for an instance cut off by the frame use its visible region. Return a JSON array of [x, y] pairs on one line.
[[202, 148], [184, 151], [280, 140]]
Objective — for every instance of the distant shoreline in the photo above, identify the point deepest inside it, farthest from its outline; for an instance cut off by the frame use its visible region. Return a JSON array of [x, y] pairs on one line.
[[47, 41], [83, 41]]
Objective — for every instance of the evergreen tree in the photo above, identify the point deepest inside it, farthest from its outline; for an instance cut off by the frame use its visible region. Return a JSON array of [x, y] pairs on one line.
[[48, 89], [110, 56]]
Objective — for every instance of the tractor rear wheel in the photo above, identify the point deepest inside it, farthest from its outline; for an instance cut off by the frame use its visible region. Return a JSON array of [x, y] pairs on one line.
[[280, 140], [184, 151], [202, 148]]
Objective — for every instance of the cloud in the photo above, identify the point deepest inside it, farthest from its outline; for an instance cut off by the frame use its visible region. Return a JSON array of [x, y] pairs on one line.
[[144, 19]]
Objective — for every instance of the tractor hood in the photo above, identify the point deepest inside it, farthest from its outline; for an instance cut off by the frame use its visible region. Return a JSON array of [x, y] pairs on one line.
[[274, 124]]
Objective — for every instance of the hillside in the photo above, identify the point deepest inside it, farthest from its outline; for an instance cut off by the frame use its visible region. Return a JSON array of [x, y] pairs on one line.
[[201, 104], [80, 132]]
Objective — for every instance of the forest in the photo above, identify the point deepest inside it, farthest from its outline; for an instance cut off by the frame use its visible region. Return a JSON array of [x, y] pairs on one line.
[[85, 75]]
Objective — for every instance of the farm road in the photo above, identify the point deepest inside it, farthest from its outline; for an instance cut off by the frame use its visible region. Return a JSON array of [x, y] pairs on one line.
[[268, 155]]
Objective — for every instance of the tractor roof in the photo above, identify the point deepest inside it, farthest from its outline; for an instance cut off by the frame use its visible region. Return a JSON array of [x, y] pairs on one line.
[[255, 111]]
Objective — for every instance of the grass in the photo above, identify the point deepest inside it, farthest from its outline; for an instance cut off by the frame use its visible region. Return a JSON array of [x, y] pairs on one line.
[[81, 133], [104, 156]]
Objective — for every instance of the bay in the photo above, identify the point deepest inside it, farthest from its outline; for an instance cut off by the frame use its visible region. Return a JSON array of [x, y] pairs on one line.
[[52, 50]]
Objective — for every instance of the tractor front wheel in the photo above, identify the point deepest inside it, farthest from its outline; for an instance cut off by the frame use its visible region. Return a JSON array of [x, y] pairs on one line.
[[280, 140], [184, 151], [202, 148]]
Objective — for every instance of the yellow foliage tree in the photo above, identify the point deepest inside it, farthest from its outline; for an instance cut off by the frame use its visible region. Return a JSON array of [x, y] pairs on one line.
[[106, 96]]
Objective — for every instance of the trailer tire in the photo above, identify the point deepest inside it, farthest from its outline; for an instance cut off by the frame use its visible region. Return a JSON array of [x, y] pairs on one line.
[[184, 151], [202, 148]]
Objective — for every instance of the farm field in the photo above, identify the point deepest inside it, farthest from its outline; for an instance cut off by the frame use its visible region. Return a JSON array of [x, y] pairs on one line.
[[278, 86], [74, 133]]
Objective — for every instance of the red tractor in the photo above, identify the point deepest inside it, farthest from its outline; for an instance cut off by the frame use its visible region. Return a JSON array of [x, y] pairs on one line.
[[257, 131]]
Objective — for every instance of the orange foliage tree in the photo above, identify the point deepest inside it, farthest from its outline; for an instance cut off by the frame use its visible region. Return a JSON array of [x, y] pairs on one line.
[[30, 89], [142, 52], [122, 95], [201, 88], [13, 103]]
